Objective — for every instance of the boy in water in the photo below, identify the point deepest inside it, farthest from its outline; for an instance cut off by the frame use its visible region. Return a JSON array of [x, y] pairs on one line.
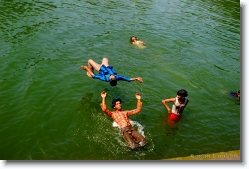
[[106, 72], [121, 117], [134, 40], [235, 94], [179, 103]]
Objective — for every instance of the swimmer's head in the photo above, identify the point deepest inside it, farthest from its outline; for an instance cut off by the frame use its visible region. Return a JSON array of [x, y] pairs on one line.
[[117, 104], [113, 82], [182, 93], [133, 38]]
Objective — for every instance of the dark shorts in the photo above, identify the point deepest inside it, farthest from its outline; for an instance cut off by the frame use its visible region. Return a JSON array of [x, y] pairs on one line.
[[127, 129]]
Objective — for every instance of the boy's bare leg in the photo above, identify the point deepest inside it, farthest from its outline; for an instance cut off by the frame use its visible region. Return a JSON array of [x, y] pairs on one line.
[[129, 139], [92, 65], [88, 71], [139, 138], [105, 62]]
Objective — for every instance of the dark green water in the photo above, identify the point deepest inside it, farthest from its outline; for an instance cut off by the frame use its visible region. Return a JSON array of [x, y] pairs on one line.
[[50, 109]]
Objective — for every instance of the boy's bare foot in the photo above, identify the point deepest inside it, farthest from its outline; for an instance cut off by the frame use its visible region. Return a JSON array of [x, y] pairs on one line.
[[85, 68]]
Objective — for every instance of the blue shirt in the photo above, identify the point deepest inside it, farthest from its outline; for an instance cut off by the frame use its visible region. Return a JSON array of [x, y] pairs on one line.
[[106, 72]]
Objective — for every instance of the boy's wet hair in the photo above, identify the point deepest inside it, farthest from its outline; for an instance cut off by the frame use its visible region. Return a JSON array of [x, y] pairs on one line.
[[114, 102], [132, 37], [113, 82], [182, 93]]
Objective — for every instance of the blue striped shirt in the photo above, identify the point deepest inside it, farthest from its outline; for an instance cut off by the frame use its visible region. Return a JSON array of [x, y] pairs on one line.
[[106, 72]]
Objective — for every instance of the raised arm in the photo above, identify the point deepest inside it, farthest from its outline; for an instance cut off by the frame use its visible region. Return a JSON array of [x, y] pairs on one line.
[[103, 104], [164, 102], [139, 106], [120, 77]]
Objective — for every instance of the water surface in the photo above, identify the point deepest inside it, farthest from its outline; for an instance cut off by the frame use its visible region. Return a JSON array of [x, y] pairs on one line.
[[50, 109]]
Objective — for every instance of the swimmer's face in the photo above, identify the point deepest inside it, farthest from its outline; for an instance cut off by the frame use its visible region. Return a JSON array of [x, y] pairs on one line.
[[180, 97], [134, 39], [118, 105], [112, 77]]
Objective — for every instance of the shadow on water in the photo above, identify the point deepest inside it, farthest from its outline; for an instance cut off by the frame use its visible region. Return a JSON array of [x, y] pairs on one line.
[[86, 102]]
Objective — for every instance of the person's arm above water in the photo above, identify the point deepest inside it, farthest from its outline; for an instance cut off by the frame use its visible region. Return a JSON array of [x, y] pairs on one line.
[[164, 102], [139, 79], [139, 106], [103, 104]]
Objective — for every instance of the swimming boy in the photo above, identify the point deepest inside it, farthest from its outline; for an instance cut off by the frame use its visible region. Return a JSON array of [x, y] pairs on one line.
[[106, 72], [235, 94], [179, 103], [121, 117], [134, 40]]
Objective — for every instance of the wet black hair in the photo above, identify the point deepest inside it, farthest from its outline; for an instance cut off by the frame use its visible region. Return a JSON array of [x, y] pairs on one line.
[[114, 102], [113, 82], [131, 38], [182, 92]]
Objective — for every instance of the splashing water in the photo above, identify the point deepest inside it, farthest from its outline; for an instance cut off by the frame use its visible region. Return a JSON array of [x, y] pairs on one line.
[[133, 123]]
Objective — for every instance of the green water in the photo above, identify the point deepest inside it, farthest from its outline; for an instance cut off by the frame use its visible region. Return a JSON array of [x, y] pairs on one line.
[[50, 109]]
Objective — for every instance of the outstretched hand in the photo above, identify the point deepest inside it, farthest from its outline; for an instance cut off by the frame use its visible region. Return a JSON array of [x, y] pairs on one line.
[[140, 79], [103, 94], [138, 96]]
